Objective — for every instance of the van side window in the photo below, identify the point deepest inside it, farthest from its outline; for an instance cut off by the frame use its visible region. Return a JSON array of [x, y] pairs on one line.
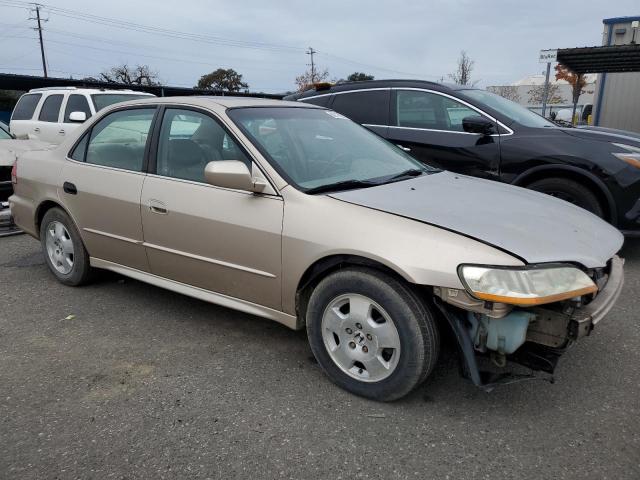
[[120, 138], [26, 106], [50, 110], [370, 107], [76, 103]]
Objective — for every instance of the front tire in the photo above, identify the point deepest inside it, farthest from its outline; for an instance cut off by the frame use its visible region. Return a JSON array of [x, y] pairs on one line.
[[64, 252], [570, 191], [371, 334]]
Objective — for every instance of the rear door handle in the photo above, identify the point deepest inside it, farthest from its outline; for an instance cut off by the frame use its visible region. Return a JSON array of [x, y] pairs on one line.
[[61, 132], [36, 129], [69, 188], [158, 207]]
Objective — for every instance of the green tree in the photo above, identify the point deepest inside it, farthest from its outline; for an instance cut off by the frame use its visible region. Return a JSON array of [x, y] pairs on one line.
[[359, 77], [222, 79]]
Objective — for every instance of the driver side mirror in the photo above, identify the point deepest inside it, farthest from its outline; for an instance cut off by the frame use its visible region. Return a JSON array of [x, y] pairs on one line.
[[78, 117], [478, 124], [232, 174]]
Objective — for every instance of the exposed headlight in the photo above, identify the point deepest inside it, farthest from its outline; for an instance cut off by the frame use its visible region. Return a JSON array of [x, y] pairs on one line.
[[631, 156], [526, 286]]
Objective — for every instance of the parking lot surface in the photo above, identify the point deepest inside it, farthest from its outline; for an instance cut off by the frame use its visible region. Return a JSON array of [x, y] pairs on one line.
[[120, 379]]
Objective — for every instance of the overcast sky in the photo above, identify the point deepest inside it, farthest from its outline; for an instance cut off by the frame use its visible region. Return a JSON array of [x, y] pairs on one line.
[[266, 40]]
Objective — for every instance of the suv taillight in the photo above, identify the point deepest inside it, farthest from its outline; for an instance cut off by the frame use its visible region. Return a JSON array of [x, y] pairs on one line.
[[14, 172]]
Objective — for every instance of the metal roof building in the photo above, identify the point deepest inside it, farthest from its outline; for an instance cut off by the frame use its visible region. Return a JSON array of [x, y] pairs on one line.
[[617, 99]]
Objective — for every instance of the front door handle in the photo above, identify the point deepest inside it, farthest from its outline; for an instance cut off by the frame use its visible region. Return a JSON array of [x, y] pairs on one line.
[[36, 129], [158, 207], [69, 188], [406, 149], [61, 132]]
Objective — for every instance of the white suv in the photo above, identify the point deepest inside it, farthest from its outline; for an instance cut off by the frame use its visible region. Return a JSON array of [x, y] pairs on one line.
[[49, 114]]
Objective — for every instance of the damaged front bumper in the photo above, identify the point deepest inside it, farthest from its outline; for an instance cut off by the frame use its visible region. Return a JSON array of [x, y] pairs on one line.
[[535, 337]]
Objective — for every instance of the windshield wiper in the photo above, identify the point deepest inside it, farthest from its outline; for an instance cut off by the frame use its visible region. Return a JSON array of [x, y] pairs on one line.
[[344, 185], [413, 172]]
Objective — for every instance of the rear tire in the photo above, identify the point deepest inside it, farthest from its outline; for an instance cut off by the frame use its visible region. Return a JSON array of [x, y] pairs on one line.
[[64, 252], [569, 191], [371, 334]]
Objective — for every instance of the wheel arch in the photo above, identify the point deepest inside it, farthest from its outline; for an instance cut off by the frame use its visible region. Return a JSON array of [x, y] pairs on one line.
[[43, 208], [329, 264], [585, 178]]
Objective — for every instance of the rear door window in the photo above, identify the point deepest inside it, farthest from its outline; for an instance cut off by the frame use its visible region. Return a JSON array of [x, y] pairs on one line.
[[26, 106], [119, 139], [370, 107], [76, 103], [50, 110]]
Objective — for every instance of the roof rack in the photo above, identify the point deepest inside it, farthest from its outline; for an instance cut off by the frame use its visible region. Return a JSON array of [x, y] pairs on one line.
[[52, 88]]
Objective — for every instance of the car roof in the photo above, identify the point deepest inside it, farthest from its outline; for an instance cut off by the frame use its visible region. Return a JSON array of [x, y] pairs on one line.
[[87, 90], [367, 84], [215, 101]]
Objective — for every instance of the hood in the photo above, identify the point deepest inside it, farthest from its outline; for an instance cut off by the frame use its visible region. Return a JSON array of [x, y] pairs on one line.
[[535, 227], [602, 134], [10, 149]]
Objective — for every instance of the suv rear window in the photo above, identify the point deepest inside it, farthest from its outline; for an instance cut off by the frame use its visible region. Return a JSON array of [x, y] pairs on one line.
[[51, 108], [26, 106], [103, 100]]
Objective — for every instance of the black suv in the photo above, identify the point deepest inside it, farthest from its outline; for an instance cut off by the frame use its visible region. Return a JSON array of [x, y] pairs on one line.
[[475, 132]]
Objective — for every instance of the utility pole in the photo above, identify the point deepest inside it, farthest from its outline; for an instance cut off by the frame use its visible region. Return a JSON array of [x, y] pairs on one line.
[[39, 29], [311, 52]]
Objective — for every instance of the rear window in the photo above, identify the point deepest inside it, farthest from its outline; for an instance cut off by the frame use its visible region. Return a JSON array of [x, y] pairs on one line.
[[322, 101], [50, 110], [103, 100], [26, 106]]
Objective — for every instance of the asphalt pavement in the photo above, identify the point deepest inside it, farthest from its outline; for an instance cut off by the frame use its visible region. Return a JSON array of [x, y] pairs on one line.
[[123, 380]]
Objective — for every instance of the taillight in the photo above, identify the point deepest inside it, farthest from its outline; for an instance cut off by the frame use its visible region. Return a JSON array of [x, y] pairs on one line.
[[14, 172]]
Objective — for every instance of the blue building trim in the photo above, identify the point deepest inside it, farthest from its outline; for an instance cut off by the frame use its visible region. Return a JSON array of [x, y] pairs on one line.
[[610, 21]]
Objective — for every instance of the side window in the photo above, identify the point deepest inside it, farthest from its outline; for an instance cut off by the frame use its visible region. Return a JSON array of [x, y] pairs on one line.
[[80, 150], [119, 139], [189, 140], [76, 103], [26, 106], [50, 110], [371, 107], [455, 112], [416, 109], [322, 101]]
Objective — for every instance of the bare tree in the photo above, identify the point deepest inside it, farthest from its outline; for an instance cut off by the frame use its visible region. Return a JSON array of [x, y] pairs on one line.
[[554, 97], [462, 76], [308, 80], [138, 75], [510, 92]]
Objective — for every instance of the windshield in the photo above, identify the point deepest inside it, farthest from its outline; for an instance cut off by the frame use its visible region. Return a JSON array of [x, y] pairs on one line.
[[103, 100], [315, 149], [515, 112]]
